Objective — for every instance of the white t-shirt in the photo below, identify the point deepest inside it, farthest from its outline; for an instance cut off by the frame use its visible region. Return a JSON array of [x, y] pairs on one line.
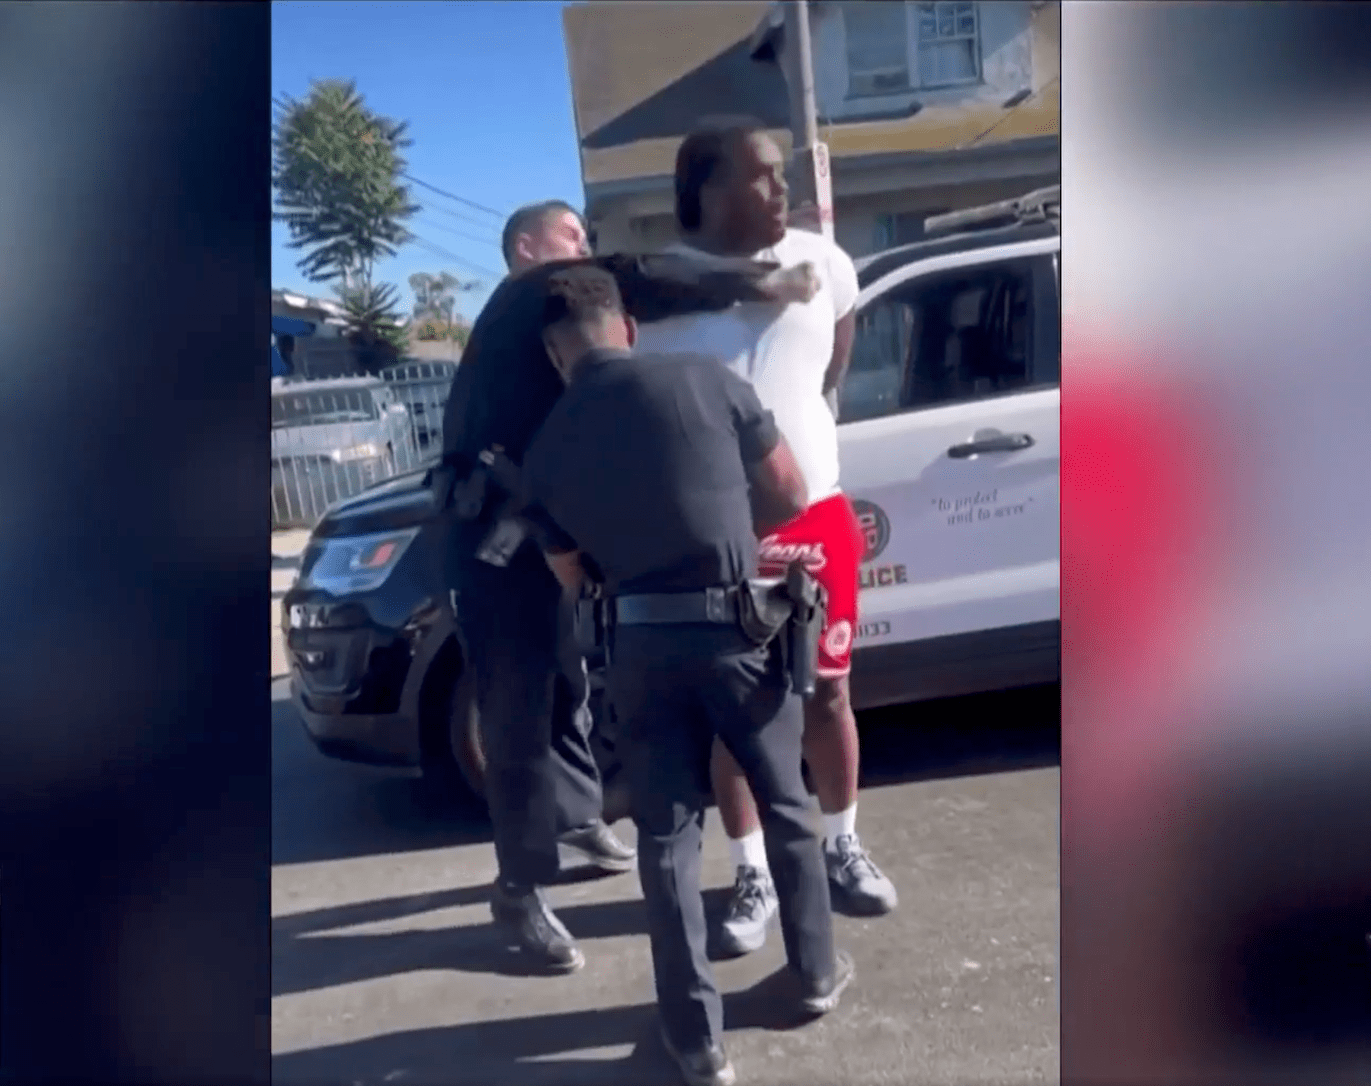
[[783, 350]]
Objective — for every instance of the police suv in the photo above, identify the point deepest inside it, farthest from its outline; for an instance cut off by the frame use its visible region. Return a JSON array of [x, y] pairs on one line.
[[949, 437], [948, 424]]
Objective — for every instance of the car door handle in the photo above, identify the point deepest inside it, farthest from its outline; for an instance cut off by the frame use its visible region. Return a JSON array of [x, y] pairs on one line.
[[998, 443]]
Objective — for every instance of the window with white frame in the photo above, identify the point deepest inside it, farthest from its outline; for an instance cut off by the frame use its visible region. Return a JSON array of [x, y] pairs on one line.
[[949, 43], [945, 39]]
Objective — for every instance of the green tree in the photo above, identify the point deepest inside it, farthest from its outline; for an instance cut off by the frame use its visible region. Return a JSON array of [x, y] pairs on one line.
[[336, 171], [372, 327]]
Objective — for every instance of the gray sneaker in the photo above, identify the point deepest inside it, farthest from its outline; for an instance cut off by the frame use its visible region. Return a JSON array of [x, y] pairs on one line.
[[750, 910], [860, 881]]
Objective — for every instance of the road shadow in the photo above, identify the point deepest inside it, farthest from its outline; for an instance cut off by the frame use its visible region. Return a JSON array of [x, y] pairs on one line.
[[323, 809], [530, 1051], [285, 561], [1000, 732], [306, 957]]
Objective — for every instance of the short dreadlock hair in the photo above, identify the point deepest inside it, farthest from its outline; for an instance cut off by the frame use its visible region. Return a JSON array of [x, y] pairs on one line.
[[581, 297]]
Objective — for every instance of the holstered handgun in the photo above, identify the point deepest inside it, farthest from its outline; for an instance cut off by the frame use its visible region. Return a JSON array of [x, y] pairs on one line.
[[498, 474], [591, 618], [803, 629], [764, 608]]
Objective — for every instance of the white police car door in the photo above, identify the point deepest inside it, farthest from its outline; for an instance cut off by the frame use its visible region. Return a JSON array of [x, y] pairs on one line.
[[949, 439]]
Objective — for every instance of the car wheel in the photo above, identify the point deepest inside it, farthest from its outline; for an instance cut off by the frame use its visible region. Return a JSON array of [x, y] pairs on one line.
[[465, 749], [453, 756]]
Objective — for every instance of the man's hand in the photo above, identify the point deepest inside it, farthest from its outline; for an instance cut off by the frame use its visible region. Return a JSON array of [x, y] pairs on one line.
[[797, 284]]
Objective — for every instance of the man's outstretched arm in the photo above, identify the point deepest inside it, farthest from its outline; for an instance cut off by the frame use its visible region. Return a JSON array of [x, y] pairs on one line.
[[673, 284]]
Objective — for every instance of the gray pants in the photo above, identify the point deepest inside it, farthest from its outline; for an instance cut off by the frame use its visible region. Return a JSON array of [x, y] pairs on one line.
[[531, 692], [674, 689]]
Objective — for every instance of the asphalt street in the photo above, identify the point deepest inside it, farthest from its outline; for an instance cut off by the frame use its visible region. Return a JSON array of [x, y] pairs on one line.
[[385, 969]]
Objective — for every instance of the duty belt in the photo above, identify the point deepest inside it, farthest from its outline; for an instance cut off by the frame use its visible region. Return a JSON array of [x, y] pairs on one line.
[[717, 605]]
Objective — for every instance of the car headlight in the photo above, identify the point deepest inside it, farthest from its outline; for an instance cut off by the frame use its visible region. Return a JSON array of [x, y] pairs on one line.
[[356, 563], [367, 451]]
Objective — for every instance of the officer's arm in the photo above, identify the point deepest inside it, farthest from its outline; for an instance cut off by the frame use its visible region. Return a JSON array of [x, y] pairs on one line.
[[778, 488], [566, 567], [559, 549], [665, 285], [779, 493]]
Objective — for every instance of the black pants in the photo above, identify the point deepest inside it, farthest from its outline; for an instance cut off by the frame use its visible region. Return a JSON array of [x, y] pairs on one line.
[[531, 692], [674, 689]]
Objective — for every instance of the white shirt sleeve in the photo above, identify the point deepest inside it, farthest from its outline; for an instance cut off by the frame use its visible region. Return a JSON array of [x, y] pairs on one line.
[[842, 277]]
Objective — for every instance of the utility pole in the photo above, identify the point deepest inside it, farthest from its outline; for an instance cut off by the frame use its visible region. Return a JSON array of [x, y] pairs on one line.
[[812, 182]]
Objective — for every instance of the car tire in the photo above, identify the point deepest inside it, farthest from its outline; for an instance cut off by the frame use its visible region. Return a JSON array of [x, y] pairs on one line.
[[454, 758], [466, 751]]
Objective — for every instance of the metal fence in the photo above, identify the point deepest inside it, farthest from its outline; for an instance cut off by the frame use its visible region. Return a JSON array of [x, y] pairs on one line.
[[333, 438]]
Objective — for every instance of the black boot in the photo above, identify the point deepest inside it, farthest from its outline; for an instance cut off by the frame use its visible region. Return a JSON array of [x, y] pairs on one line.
[[706, 1065], [819, 999], [532, 927], [596, 845]]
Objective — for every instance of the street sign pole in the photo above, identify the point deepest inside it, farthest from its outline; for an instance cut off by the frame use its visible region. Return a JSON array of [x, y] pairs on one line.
[[812, 183]]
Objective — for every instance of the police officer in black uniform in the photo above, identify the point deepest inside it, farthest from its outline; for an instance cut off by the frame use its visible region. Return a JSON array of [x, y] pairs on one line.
[[542, 782], [659, 475]]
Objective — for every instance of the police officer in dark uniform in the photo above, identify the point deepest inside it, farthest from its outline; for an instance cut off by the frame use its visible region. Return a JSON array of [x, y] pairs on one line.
[[659, 475], [542, 783]]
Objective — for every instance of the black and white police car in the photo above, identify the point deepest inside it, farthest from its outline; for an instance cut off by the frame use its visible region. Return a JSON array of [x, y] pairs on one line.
[[949, 436]]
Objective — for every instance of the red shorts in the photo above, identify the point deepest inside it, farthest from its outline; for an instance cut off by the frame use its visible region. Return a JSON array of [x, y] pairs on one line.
[[827, 537]]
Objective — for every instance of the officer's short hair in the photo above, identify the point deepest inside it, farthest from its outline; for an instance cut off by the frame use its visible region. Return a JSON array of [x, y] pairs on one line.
[[527, 219], [699, 157], [581, 297]]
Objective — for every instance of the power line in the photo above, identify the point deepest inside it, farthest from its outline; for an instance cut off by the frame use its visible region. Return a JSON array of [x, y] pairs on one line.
[[462, 217], [446, 254], [459, 199], [980, 136], [469, 237]]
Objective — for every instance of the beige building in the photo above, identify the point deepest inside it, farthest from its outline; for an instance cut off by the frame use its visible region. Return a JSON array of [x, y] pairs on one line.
[[925, 107]]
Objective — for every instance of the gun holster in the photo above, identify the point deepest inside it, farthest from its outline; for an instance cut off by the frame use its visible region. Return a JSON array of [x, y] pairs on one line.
[[493, 476], [591, 625], [504, 538], [764, 607], [806, 622], [469, 494]]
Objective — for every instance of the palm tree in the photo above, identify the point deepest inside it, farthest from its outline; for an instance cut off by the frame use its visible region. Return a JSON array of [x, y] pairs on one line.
[[373, 326]]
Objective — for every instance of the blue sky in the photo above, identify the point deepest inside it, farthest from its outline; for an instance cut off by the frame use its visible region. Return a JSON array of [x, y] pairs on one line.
[[485, 89]]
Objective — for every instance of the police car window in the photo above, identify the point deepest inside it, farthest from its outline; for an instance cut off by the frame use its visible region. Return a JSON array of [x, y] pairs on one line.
[[970, 334], [884, 334]]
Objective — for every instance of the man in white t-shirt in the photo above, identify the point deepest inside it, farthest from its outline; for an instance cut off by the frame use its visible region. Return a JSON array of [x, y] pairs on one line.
[[731, 201]]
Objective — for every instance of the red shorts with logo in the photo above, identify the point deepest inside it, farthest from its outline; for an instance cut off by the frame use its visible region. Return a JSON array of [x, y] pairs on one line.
[[827, 537]]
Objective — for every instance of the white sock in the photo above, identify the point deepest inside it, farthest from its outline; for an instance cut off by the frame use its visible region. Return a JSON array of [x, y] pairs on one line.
[[842, 824], [749, 851]]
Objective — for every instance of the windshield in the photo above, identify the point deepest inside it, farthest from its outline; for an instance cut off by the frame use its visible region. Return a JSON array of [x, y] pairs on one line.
[[323, 408]]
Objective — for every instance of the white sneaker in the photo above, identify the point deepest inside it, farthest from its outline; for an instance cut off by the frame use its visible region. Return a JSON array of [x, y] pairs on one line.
[[852, 872], [750, 910]]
